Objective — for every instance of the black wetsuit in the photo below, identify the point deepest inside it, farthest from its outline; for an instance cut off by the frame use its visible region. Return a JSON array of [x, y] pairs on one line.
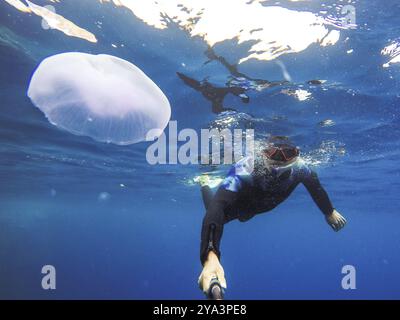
[[215, 95], [244, 193]]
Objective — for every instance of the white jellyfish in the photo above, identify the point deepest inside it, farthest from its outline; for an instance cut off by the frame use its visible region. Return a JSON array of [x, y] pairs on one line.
[[100, 96]]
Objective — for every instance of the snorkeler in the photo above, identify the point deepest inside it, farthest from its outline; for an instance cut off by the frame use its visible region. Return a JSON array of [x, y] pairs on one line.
[[240, 79], [251, 188], [214, 94]]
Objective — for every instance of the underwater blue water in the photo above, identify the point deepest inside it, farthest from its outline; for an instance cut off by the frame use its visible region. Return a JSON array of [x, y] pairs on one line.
[[116, 227]]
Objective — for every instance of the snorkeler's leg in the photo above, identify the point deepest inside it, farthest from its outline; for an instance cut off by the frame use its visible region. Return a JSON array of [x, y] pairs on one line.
[[189, 81], [232, 68], [210, 53]]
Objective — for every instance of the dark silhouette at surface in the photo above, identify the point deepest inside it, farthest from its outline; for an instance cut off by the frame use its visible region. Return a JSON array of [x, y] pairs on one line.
[[215, 95], [239, 77], [238, 84]]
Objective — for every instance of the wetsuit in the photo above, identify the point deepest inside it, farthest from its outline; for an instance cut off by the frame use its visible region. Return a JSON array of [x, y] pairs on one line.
[[245, 193], [214, 94]]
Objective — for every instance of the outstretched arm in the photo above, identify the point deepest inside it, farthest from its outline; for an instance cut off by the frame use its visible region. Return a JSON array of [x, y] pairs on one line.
[[318, 193], [213, 223], [211, 234], [217, 215], [321, 198]]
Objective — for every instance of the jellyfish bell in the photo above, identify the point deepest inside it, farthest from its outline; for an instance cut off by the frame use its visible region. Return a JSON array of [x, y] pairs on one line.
[[101, 96]]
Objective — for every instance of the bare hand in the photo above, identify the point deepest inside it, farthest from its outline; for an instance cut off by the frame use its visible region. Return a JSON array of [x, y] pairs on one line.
[[212, 269]]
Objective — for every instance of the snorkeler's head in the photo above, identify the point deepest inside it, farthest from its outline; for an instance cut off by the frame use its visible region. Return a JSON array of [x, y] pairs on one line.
[[280, 151]]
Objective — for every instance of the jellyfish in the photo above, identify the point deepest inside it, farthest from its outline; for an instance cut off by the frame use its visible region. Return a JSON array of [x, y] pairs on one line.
[[101, 96]]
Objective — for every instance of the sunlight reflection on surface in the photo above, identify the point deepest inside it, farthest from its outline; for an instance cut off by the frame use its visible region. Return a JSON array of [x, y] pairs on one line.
[[217, 21]]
